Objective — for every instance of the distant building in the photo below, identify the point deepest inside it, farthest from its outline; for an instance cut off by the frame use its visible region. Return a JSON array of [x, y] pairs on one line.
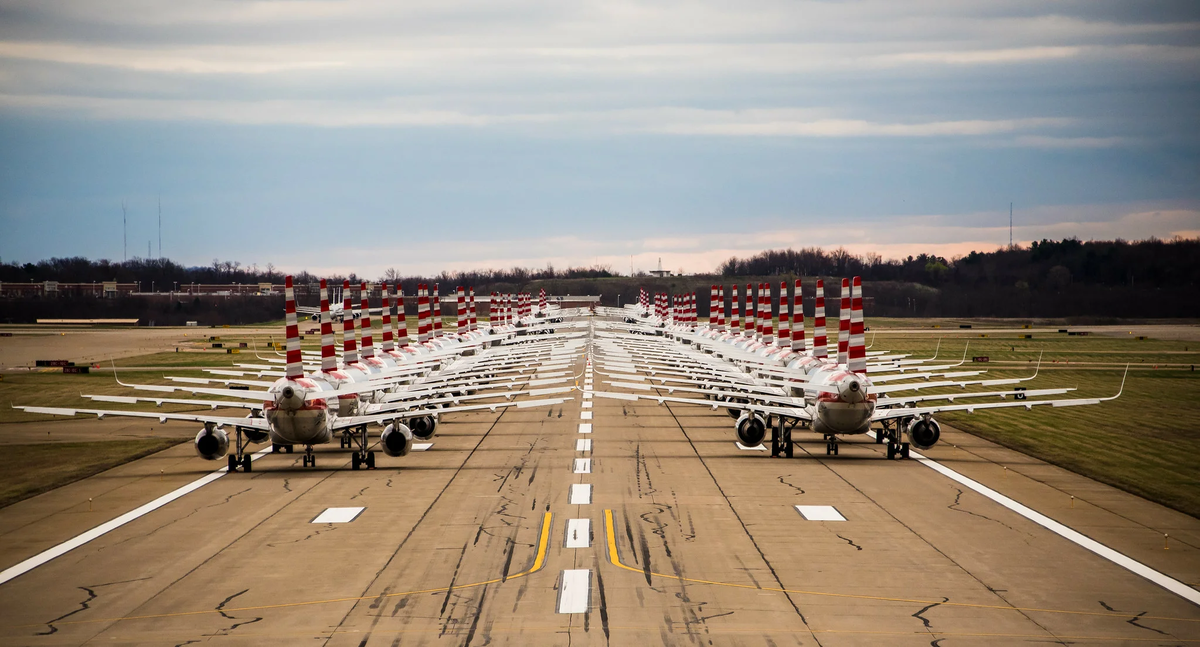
[[660, 272]]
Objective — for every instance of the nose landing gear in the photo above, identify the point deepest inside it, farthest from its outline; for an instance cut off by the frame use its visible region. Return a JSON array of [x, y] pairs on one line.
[[310, 459]]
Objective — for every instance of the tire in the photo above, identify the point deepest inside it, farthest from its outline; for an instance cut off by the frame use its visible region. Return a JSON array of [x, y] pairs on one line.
[[370, 460], [879, 438], [904, 450], [355, 461], [246, 463], [233, 464], [891, 451]]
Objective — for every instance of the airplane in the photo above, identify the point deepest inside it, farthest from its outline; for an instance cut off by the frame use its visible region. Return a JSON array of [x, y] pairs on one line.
[[295, 409], [832, 396]]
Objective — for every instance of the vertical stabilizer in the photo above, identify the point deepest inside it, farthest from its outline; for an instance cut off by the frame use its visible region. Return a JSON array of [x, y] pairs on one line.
[[328, 351], [735, 314], [295, 363], [368, 340], [461, 325], [389, 302], [797, 319], [401, 319], [471, 322], [721, 308], [437, 311], [749, 329], [349, 344], [422, 313], [785, 317], [768, 322], [858, 342], [843, 346], [820, 340]]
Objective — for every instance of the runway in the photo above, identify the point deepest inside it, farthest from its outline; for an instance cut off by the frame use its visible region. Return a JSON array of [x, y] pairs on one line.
[[491, 537]]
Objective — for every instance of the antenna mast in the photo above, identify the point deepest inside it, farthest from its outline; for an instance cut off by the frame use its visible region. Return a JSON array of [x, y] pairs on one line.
[[160, 227]]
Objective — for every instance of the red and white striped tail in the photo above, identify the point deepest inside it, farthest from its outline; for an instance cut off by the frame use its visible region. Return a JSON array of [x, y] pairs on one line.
[[750, 308], [401, 319], [349, 343], [785, 317], [820, 341], [295, 362], [858, 342], [721, 308], [471, 323], [797, 319], [768, 323], [712, 307], [389, 302], [328, 351], [843, 348], [423, 324], [735, 314], [368, 332], [461, 326], [542, 300]]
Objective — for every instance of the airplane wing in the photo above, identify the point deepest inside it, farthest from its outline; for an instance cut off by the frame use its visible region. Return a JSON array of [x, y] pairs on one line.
[[787, 412], [212, 404], [890, 402], [354, 421], [256, 423]]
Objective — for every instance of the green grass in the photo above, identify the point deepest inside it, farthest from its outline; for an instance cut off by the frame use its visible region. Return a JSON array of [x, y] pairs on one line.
[[1146, 442], [30, 470], [53, 389]]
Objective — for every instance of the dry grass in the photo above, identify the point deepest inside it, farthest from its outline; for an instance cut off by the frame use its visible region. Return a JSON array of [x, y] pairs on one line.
[[30, 470]]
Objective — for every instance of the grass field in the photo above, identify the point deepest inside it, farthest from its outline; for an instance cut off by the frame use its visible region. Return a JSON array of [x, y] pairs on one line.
[[53, 389], [30, 470], [1146, 442]]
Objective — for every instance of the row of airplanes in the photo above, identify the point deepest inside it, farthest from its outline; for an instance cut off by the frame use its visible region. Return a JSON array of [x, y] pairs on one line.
[[402, 386], [781, 382]]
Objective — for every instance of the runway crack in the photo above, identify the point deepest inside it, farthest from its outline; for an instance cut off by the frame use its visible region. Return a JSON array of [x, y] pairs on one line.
[[925, 621], [221, 610]]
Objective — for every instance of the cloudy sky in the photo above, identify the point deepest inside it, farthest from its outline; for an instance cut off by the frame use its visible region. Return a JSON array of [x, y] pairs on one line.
[[357, 135]]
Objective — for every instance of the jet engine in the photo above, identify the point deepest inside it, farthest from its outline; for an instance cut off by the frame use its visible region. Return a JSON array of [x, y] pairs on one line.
[[396, 440], [751, 429], [424, 427], [255, 435], [924, 433], [212, 444]]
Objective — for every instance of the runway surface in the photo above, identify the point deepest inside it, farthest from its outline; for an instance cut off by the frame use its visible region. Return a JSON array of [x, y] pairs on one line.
[[681, 539]]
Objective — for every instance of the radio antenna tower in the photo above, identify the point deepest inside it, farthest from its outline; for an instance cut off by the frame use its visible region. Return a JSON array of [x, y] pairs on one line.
[[160, 227]]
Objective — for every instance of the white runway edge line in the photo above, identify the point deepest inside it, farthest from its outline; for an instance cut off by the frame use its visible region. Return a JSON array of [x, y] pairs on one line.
[[1120, 559], [573, 594], [581, 494], [105, 528]]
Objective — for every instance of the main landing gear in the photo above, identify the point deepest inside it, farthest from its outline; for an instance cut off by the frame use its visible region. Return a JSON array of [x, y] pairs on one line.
[[361, 456], [781, 437], [890, 434], [239, 457]]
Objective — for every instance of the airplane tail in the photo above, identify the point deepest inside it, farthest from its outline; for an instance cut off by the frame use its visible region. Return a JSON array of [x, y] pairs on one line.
[[349, 344], [471, 322], [542, 300], [328, 353], [368, 340], [721, 308], [785, 318], [844, 324], [461, 326], [749, 330], [422, 313], [295, 362], [858, 350], [437, 311], [401, 318], [735, 314], [797, 319], [389, 344], [820, 340], [768, 322]]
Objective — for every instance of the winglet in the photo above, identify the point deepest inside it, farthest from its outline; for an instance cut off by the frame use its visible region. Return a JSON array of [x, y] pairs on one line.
[[1121, 390]]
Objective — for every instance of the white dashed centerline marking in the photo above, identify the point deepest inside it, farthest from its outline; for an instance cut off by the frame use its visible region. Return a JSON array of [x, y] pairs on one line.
[[578, 533], [583, 445], [587, 395], [583, 466], [585, 415], [338, 515], [587, 404], [581, 494], [585, 427], [820, 513], [573, 593], [420, 447]]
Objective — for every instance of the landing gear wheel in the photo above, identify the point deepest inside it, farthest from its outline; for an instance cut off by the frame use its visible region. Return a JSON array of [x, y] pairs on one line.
[[306, 461], [246, 462], [879, 438], [355, 461], [370, 460], [288, 448], [276, 449], [891, 450], [904, 450], [233, 463]]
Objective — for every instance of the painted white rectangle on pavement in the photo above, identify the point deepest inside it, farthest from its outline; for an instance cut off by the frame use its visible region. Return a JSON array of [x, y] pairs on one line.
[[338, 515], [820, 513], [585, 427], [587, 404], [578, 533], [573, 593], [756, 448], [583, 445], [583, 466], [587, 395], [581, 494], [585, 415], [420, 447]]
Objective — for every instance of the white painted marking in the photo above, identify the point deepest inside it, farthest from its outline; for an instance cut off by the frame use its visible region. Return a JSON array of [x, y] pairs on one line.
[[573, 593], [338, 515], [578, 533], [581, 494], [587, 395], [583, 466], [820, 513], [756, 448], [1120, 559], [585, 415], [585, 427], [420, 447], [587, 404], [104, 528], [583, 445]]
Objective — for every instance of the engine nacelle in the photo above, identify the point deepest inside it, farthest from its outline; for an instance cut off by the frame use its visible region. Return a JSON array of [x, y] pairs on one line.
[[424, 427], [396, 440], [751, 429], [212, 444], [924, 433]]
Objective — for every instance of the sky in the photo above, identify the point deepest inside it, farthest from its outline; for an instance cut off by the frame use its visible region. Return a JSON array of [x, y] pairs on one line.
[[340, 136]]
